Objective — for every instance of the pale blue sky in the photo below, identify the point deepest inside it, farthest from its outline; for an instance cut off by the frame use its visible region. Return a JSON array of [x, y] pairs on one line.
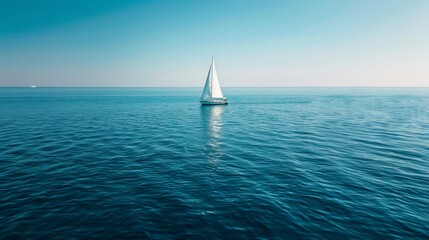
[[255, 43]]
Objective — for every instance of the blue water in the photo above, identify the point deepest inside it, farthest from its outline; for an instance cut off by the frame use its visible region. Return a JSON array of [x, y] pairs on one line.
[[285, 163]]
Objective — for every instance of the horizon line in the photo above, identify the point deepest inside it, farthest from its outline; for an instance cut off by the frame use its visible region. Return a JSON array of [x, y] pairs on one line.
[[222, 87]]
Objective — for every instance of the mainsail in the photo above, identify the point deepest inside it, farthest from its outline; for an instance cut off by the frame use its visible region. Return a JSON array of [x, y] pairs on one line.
[[212, 86]]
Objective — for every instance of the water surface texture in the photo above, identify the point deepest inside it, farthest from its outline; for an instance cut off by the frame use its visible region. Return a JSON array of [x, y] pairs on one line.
[[285, 163]]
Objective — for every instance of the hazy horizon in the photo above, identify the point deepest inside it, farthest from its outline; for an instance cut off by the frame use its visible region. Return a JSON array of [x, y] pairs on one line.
[[53, 86], [255, 44]]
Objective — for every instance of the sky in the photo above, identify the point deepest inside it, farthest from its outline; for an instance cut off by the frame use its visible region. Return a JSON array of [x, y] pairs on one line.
[[285, 43]]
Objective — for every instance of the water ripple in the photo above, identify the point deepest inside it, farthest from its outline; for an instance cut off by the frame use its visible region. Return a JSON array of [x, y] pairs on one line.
[[273, 164]]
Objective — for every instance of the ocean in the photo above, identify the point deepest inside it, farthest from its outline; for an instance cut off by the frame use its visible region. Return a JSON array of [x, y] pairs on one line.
[[276, 163]]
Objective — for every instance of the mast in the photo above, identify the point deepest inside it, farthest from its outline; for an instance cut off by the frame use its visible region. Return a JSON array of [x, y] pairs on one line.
[[211, 77]]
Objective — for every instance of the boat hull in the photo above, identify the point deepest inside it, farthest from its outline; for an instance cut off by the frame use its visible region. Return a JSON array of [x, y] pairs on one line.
[[215, 102]]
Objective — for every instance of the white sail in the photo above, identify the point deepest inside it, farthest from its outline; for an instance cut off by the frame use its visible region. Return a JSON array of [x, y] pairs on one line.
[[212, 94], [216, 92], [206, 92]]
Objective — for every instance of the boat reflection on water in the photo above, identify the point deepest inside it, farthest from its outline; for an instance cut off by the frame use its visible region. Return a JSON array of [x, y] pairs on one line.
[[212, 124]]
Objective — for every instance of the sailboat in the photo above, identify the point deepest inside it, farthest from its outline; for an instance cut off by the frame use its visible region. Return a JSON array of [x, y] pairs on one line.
[[34, 84], [212, 94]]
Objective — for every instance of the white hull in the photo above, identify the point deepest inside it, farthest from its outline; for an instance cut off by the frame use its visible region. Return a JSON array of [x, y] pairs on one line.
[[215, 102]]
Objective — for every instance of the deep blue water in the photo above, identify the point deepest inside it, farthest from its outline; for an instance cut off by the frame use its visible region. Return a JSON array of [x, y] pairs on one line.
[[285, 163]]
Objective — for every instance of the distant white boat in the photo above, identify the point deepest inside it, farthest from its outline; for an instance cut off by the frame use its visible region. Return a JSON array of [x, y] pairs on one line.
[[212, 94], [33, 86]]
